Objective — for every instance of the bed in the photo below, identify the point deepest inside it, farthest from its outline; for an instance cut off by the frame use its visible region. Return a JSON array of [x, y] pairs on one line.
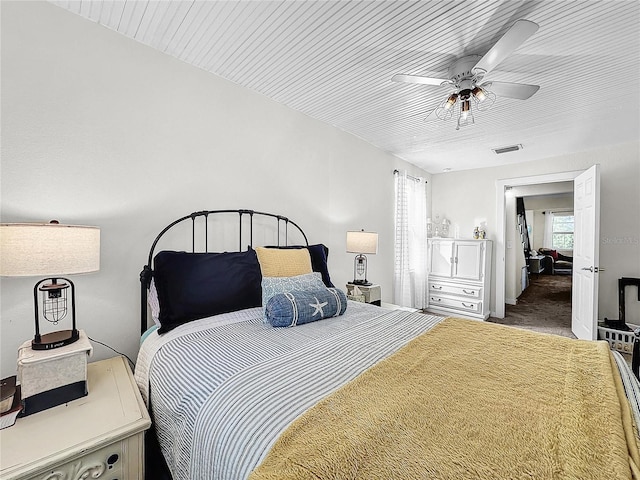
[[341, 389]]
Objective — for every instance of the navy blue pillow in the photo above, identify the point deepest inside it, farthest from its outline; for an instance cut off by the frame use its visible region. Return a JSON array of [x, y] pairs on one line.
[[295, 308], [197, 285], [319, 254]]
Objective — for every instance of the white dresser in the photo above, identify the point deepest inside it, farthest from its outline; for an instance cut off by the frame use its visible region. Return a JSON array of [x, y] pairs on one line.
[[459, 277]]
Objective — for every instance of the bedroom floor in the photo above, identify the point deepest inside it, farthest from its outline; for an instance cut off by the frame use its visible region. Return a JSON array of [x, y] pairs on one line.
[[545, 306]]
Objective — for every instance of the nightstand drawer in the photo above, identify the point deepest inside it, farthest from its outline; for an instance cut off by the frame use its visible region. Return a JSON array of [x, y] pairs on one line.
[[437, 288], [469, 306], [117, 461]]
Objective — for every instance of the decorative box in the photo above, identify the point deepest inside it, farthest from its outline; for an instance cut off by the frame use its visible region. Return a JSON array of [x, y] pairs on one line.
[[53, 377]]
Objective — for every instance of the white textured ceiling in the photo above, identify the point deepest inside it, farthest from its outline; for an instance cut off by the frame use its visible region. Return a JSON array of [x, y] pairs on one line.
[[333, 60]]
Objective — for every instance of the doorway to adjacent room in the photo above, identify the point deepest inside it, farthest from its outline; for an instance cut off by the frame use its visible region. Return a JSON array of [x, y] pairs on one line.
[[544, 306]]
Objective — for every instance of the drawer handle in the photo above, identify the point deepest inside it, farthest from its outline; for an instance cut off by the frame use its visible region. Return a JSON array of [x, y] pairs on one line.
[[470, 292], [435, 287], [468, 306], [436, 299]]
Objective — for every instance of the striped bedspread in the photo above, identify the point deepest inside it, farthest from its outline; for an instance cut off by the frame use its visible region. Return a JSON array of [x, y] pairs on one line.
[[223, 389]]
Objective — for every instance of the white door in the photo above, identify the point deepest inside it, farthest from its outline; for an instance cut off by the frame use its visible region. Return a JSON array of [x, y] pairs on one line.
[[468, 260], [586, 208], [440, 257]]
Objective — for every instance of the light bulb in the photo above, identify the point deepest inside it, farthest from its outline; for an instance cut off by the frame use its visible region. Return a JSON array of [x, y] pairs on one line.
[[451, 101], [466, 116], [466, 107], [479, 94], [484, 98]]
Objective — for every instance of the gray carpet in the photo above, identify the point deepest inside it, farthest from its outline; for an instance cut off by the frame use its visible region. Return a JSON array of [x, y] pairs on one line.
[[544, 306]]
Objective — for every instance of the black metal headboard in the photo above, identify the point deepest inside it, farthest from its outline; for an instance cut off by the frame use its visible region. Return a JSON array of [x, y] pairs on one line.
[[147, 271]]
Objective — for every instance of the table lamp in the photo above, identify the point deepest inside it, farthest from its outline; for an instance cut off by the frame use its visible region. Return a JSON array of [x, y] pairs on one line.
[[50, 250], [361, 243]]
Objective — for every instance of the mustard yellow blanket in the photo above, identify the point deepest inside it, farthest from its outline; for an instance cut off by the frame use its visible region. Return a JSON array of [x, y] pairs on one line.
[[469, 400]]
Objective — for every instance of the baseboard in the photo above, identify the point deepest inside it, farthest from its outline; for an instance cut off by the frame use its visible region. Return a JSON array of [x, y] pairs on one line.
[[510, 301]]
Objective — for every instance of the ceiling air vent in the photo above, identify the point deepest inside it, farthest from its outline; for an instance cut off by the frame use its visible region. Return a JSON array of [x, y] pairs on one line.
[[510, 148]]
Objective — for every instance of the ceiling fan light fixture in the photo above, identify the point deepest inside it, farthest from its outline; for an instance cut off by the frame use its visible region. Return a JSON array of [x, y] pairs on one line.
[[479, 94], [445, 110], [484, 98], [444, 114], [465, 109], [466, 116], [451, 101]]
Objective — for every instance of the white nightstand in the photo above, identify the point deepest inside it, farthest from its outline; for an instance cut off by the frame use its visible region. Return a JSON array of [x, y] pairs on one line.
[[98, 436], [371, 293]]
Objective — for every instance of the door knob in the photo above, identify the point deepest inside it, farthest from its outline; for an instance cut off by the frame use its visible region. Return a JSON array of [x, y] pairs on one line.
[[594, 269]]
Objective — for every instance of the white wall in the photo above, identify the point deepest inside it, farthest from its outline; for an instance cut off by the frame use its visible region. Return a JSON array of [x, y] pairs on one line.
[[100, 130], [469, 196]]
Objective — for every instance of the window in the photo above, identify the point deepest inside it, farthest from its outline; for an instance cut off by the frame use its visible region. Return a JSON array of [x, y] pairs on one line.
[[562, 232]]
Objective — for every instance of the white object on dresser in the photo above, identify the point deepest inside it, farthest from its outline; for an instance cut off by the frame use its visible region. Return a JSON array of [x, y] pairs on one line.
[[460, 277], [98, 436]]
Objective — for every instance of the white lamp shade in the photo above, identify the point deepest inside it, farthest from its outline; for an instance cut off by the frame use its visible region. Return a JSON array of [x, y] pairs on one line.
[[362, 242], [48, 249]]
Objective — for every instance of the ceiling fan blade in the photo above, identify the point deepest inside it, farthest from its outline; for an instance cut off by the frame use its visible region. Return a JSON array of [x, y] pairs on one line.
[[506, 45], [520, 91], [419, 79]]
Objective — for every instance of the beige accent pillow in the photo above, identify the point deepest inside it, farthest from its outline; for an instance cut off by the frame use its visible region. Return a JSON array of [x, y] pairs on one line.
[[276, 262]]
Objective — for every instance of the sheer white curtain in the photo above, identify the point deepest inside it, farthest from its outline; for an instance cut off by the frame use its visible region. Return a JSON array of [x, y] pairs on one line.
[[410, 268]]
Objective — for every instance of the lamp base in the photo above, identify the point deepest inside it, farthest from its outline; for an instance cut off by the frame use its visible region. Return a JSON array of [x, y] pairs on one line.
[[364, 283], [55, 339]]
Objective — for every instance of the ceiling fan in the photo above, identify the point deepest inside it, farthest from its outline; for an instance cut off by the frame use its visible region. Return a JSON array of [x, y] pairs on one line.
[[466, 77]]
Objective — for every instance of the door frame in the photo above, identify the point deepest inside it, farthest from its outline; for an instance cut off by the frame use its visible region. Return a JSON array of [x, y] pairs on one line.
[[501, 189]]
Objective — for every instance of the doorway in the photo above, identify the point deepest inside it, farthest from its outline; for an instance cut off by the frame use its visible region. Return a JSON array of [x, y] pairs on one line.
[[502, 187], [538, 257]]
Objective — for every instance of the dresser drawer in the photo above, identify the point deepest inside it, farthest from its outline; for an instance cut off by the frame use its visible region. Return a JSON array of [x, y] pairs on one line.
[[437, 288], [460, 304]]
